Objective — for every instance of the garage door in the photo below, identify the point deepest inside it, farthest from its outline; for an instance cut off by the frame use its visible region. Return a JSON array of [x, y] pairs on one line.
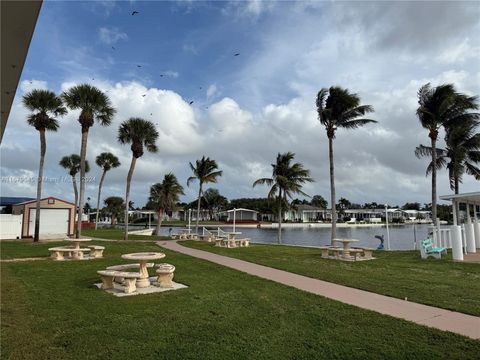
[[52, 221]]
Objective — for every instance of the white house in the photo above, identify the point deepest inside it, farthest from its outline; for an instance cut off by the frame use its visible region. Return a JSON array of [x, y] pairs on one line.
[[240, 215], [305, 213]]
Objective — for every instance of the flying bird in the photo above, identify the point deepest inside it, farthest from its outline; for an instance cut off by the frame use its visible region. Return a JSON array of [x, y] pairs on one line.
[[161, 75], [236, 54], [135, 12], [200, 88], [144, 95], [113, 47], [191, 102], [139, 66], [151, 113]]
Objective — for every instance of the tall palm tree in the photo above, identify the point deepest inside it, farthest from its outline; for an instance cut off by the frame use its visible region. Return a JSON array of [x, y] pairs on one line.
[[442, 106], [106, 161], [94, 105], [72, 164], [164, 196], [460, 156], [338, 108], [287, 179], [140, 134], [205, 171], [45, 107]]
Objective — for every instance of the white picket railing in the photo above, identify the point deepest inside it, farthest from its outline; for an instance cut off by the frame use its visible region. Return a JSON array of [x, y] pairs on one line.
[[441, 237], [205, 232], [221, 233]]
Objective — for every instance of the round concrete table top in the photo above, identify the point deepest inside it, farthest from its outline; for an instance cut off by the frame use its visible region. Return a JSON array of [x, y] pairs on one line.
[[78, 240], [144, 256]]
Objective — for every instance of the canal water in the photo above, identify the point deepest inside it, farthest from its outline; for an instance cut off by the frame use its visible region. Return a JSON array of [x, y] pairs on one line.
[[402, 237]]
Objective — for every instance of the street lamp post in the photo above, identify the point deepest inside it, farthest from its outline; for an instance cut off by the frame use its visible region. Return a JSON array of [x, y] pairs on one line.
[[189, 217], [234, 215], [388, 231]]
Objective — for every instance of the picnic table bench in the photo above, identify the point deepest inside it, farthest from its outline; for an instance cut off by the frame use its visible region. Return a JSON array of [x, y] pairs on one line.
[[338, 252], [130, 279], [165, 275], [232, 243], [58, 253], [96, 251]]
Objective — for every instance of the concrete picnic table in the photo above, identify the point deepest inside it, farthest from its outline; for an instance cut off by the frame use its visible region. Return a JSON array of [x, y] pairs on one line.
[[76, 242], [346, 246], [232, 234], [143, 258]]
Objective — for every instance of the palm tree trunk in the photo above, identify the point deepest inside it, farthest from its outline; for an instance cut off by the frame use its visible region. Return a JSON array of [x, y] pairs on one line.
[[332, 190], [75, 192], [434, 179], [159, 222], [98, 197], [43, 149], [456, 185], [127, 193], [279, 236], [83, 155], [198, 206]]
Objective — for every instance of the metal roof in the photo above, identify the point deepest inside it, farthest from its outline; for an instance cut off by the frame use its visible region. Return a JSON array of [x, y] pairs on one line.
[[472, 197]]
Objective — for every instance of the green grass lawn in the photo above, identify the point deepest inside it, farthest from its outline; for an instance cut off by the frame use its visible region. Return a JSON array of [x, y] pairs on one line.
[[51, 310], [400, 274], [117, 234]]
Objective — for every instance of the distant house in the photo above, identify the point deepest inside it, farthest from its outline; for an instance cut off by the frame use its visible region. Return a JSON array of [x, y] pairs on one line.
[[305, 213], [242, 215]]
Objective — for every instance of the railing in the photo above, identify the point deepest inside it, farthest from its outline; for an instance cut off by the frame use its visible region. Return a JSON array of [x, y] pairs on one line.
[[205, 231], [441, 237], [221, 233]]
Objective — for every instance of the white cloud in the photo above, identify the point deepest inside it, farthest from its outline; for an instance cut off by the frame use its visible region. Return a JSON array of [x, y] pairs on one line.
[[171, 73], [28, 85], [460, 53], [229, 119], [212, 91], [111, 35]]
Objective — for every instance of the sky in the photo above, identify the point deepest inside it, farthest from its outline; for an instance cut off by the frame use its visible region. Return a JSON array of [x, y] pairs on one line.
[[246, 108]]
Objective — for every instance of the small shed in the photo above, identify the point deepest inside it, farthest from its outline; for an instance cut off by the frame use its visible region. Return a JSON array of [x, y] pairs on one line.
[[57, 217]]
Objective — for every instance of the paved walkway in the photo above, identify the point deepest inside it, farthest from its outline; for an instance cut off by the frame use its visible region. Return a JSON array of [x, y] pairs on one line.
[[442, 319]]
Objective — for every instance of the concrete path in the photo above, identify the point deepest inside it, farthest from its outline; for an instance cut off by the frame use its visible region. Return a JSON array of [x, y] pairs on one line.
[[466, 325]]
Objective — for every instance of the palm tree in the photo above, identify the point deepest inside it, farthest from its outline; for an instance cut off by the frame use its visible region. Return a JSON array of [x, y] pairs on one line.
[[287, 179], [140, 134], [94, 105], [164, 196], [442, 106], [45, 107], [106, 161], [338, 108], [460, 156], [114, 207], [72, 164], [205, 171]]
